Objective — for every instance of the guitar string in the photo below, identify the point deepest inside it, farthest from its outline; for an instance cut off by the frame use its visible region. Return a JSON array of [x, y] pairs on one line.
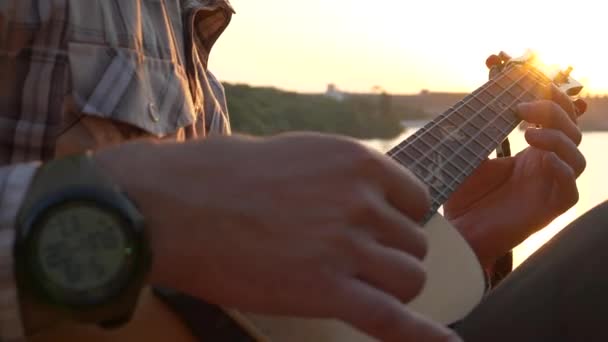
[[444, 117], [453, 184], [457, 178], [467, 121]]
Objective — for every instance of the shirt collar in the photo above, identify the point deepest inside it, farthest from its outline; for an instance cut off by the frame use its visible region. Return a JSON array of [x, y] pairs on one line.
[[206, 20]]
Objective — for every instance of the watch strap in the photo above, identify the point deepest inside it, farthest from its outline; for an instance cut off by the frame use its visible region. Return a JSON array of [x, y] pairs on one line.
[[14, 181], [59, 174]]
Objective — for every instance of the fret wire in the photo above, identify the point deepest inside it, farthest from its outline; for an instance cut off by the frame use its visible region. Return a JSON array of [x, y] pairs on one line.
[[460, 115], [449, 186], [398, 159], [471, 107], [429, 146], [483, 113], [436, 124], [474, 124], [475, 153], [450, 120], [510, 93], [410, 156], [468, 162], [496, 90], [483, 148], [417, 149], [454, 165], [504, 119], [432, 132], [422, 153], [501, 131], [491, 138]]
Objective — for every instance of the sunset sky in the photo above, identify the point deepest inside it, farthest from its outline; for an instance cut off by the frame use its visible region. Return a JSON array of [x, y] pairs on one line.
[[405, 46]]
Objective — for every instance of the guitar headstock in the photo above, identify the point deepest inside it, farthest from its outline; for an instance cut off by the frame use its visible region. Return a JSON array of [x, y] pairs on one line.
[[561, 78]]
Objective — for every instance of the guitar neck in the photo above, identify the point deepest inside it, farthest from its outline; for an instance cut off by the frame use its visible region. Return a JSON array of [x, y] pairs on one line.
[[448, 149]]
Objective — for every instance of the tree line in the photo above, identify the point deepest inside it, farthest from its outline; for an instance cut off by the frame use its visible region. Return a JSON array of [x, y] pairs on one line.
[[269, 111]]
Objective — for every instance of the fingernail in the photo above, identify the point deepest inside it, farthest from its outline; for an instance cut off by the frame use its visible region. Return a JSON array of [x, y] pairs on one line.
[[581, 106], [532, 132], [524, 106]]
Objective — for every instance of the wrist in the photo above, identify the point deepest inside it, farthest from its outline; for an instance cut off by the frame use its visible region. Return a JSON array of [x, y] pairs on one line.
[[135, 168]]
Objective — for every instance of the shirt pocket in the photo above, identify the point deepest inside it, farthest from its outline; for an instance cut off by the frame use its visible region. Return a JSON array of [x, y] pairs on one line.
[[125, 85]]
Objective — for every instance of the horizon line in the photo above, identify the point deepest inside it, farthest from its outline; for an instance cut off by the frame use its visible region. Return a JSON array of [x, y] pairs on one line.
[[345, 92]]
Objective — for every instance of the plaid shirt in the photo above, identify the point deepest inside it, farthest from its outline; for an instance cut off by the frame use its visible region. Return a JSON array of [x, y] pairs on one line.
[[80, 74]]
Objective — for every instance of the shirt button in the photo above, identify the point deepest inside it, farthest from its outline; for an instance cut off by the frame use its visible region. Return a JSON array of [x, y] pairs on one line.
[[153, 112]]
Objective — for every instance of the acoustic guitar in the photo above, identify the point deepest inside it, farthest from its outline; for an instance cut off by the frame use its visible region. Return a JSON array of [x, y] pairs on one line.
[[443, 153]]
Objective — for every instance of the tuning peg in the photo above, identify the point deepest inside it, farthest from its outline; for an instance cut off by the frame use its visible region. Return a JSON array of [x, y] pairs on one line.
[[581, 106], [562, 76], [504, 56], [493, 61]]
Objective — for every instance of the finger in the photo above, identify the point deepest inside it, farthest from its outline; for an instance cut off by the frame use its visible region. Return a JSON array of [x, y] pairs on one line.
[[392, 271], [384, 317], [581, 106], [392, 228], [404, 190], [550, 115], [555, 141], [564, 101], [565, 179]]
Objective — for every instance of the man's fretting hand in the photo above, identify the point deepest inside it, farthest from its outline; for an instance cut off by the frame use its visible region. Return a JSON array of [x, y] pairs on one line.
[[506, 200], [305, 224]]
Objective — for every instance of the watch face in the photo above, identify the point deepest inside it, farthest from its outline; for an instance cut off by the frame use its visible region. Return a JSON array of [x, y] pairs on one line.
[[83, 252]]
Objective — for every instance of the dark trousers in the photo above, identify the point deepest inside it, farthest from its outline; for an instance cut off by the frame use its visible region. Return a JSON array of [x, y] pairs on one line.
[[559, 294]]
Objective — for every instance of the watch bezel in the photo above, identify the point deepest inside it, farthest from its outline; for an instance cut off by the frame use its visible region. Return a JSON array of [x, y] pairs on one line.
[[131, 276]]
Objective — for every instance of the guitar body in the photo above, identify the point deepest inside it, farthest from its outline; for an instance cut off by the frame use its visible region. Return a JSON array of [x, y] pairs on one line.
[[455, 285]]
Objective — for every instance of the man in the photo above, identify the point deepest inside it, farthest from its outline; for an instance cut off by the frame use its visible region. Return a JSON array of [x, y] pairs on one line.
[[82, 75]]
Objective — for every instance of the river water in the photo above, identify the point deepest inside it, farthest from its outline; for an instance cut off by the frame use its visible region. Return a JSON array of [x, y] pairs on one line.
[[593, 183]]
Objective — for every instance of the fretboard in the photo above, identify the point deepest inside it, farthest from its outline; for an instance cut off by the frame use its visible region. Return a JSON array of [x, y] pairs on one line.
[[448, 149]]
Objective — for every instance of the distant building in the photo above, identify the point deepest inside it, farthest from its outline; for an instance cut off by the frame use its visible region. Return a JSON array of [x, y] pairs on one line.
[[333, 92]]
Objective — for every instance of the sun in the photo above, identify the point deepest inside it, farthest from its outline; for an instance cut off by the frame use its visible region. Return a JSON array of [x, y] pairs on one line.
[[588, 68]]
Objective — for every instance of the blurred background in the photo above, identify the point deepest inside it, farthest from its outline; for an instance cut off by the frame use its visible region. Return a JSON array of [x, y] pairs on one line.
[[378, 70]]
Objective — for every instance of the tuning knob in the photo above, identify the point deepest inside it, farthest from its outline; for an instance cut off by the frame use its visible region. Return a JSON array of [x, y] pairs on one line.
[[504, 56], [562, 76], [493, 61]]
